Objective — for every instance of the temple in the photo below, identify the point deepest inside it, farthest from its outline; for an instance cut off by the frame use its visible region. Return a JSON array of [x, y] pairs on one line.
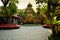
[[29, 14]]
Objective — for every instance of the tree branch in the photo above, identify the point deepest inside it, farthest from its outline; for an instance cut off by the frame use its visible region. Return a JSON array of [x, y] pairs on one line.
[[2, 1], [58, 5], [7, 2]]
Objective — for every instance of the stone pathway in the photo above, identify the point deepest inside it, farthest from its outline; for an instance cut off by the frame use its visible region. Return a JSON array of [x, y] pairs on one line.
[[26, 33]]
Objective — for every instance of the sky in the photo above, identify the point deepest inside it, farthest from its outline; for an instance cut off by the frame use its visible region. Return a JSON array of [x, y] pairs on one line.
[[23, 4]]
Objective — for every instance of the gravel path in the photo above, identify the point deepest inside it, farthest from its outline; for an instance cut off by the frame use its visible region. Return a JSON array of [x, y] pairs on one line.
[[25, 33]]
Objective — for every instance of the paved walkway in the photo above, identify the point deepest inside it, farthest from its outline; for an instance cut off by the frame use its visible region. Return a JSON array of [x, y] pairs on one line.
[[25, 33]]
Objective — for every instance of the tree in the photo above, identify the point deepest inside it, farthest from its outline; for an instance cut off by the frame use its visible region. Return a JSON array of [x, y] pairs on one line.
[[38, 7], [11, 9], [52, 4], [8, 11], [20, 12], [5, 2], [51, 9], [11, 6]]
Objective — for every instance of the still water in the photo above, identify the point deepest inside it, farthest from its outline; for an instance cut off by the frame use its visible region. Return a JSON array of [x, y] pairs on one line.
[[25, 33]]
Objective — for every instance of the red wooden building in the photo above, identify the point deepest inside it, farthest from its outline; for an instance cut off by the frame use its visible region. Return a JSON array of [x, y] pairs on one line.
[[12, 25]]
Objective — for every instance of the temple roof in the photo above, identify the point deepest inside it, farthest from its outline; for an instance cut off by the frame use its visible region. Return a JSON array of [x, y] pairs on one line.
[[29, 9], [29, 5]]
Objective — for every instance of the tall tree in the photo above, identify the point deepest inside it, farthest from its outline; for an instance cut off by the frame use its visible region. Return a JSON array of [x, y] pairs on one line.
[[38, 7], [52, 5], [5, 2], [9, 10]]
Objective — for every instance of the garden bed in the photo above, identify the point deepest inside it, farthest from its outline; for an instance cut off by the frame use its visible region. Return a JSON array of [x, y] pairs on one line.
[[9, 26], [47, 25]]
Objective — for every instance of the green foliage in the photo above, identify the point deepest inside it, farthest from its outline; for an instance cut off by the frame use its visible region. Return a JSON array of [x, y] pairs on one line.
[[38, 11], [43, 9], [20, 12], [38, 7], [1, 8], [15, 1], [41, 1], [50, 9], [38, 1], [10, 9]]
